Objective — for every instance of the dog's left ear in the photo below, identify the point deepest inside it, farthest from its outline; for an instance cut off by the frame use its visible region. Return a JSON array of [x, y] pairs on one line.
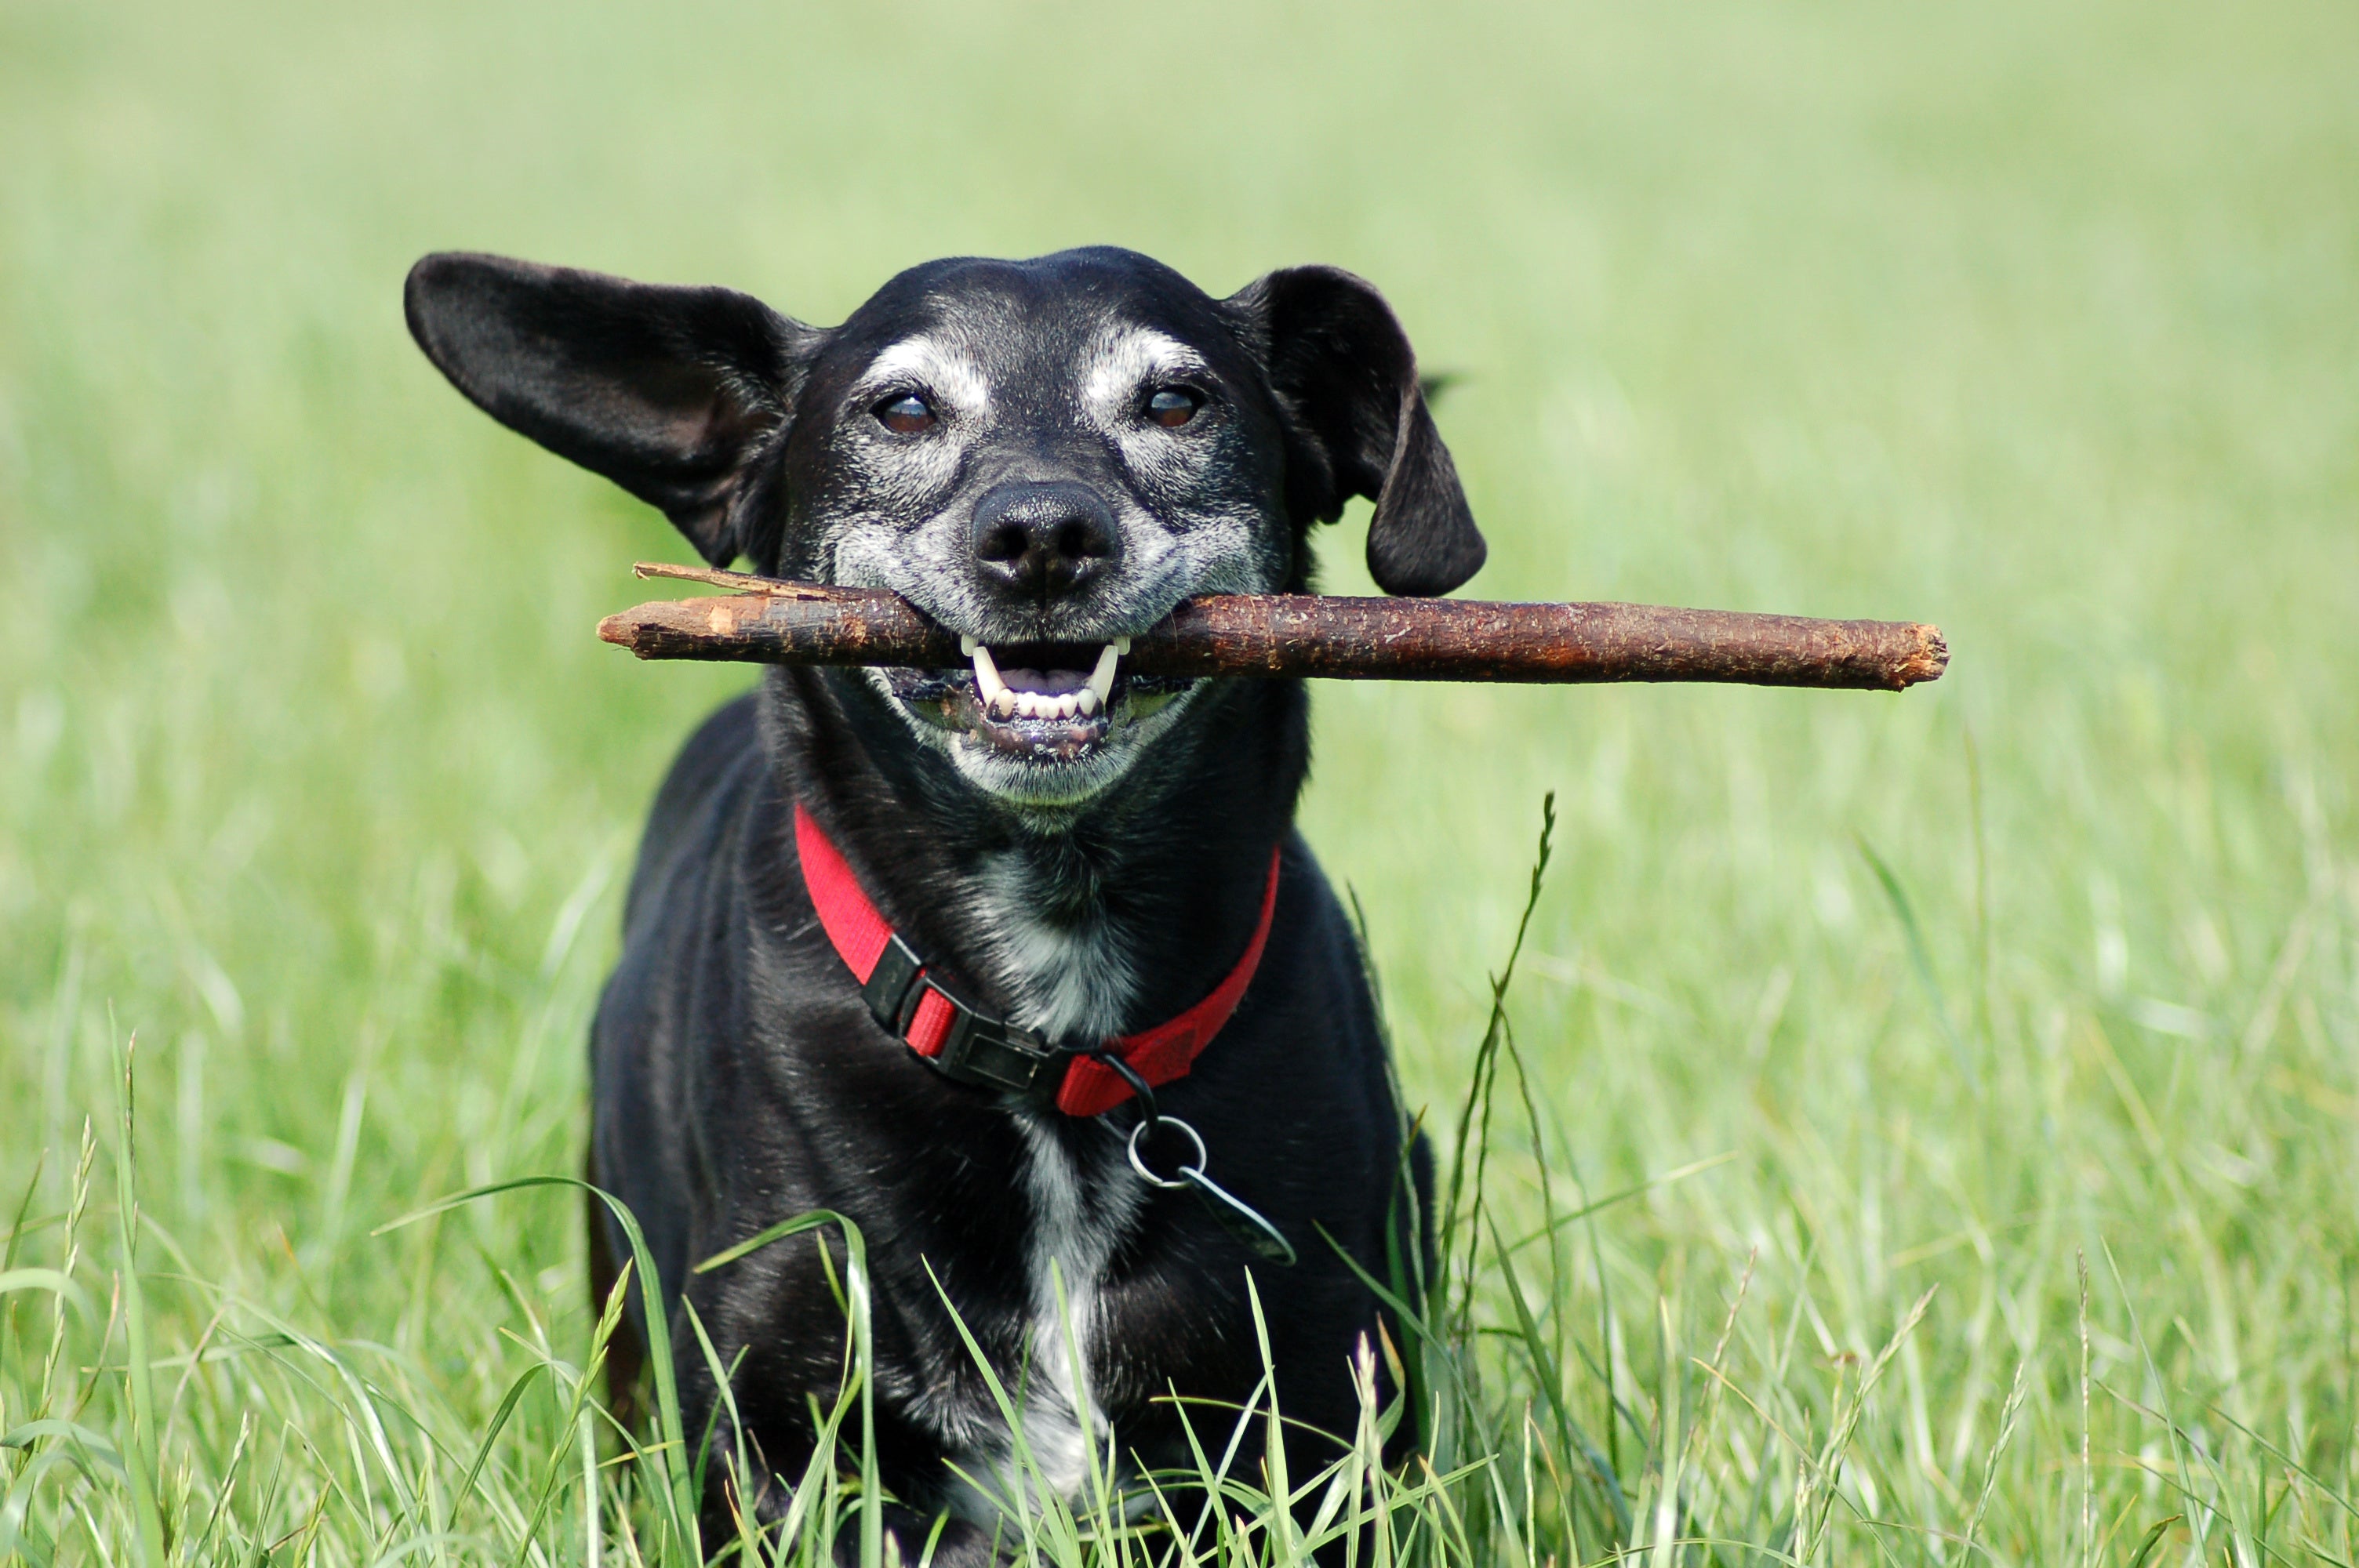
[[1346, 381]]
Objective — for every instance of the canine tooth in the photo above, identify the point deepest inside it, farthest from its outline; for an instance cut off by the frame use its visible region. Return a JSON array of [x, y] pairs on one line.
[[1087, 698], [967, 646], [1102, 677], [986, 675]]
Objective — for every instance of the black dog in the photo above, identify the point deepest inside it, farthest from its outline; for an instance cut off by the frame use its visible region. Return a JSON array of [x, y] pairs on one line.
[[1045, 456]]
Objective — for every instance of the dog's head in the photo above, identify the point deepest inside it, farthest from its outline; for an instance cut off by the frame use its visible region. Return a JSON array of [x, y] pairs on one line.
[[1044, 456]]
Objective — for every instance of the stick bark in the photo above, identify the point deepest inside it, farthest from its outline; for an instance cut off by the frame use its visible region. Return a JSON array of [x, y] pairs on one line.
[[1299, 635]]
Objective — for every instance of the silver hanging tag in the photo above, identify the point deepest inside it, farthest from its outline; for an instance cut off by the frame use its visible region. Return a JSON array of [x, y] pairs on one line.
[[1236, 1216], [1240, 1219]]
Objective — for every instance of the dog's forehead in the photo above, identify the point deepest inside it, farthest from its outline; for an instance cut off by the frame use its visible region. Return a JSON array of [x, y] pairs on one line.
[[1097, 312]]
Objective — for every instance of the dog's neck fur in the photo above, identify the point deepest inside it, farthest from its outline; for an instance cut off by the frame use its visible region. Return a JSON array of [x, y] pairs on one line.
[[1097, 921]]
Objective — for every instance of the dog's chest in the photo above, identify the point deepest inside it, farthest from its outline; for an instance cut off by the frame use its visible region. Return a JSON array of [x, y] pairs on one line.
[[1082, 1202], [1068, 973]]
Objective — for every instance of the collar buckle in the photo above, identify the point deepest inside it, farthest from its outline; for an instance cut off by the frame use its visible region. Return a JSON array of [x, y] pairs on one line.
[[997, 1053], [977, 1049]]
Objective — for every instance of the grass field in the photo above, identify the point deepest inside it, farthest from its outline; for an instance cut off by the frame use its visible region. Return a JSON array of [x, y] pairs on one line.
[[1988, 1057]]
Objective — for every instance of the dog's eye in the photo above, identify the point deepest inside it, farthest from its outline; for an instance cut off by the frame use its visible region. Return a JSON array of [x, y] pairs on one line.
[[1172, 407], [905, 414]]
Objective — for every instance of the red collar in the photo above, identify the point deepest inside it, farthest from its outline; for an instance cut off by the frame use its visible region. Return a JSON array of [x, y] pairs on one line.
[[972, 1047]]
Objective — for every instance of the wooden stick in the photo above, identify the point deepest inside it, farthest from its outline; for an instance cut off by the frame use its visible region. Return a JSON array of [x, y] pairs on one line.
[[1294, 635]]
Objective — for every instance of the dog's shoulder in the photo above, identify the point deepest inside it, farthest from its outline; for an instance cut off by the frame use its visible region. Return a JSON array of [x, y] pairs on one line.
[[720, 761]]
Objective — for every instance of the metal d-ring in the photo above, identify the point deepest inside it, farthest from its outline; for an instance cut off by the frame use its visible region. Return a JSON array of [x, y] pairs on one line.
[[1248, 1224], [1139, 1165]]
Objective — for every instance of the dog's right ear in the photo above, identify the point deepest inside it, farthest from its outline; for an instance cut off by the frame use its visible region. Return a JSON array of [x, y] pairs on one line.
[[674, 394]]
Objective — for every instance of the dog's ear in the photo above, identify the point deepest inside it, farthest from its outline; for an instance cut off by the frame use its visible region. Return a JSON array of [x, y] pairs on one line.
[[1346, 381], [674, 394]]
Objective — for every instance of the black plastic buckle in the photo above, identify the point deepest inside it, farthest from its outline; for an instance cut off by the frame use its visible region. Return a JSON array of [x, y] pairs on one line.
[[990, 1051], [977, 1050]]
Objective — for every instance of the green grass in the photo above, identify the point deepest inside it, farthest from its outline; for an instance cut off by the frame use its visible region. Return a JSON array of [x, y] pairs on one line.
[[1985, 1060]]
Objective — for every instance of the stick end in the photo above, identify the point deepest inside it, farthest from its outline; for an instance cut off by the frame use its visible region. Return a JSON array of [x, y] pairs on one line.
[[1925, 662]]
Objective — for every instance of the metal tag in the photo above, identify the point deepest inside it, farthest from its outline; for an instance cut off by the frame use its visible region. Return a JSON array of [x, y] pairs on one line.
[[1239, 1218]]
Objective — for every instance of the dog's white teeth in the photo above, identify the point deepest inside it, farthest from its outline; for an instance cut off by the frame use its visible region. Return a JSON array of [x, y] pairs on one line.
[[1003, 701], [967, 646], [1101, 678]]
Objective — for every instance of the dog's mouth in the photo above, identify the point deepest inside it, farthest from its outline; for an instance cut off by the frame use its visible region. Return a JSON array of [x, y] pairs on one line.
[[1053, 702]]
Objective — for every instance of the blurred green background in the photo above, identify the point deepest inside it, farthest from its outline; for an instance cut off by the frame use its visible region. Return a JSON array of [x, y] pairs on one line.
[[2039, 322]]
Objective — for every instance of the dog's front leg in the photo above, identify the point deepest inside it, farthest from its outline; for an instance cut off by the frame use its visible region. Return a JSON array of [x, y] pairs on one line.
[[743, 1492], [962, 1544], [749, 1497], [745, 1463]]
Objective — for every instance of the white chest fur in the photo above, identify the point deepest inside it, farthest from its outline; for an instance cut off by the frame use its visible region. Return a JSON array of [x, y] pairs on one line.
[[1069, 979], [1082, 1207]]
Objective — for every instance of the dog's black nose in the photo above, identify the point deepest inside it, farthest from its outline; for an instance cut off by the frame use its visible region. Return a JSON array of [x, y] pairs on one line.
[[1043, 537]]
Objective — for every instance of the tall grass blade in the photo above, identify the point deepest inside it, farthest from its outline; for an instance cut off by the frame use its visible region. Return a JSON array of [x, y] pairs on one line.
[[675, 1493], [859, 1311], [1472, 1135], [144, 1460], [1549, 1378]]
